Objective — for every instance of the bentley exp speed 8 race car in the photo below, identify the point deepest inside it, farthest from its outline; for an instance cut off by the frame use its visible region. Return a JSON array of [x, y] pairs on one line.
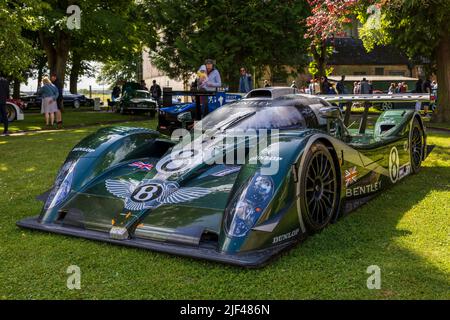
[[214, 197]]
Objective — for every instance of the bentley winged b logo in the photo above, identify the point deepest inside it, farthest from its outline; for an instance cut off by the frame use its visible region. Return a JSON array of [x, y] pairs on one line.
[[150, 194]]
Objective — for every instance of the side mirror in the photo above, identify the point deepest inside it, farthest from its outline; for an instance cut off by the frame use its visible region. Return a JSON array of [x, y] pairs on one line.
[[183, 118], [330, 113]]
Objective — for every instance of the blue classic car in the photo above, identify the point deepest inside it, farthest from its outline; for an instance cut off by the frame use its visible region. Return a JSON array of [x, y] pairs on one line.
[[168, 116]]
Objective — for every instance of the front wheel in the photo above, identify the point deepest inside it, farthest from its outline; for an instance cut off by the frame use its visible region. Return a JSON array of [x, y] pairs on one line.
[[319, 189], [416, 146], [76, 104]]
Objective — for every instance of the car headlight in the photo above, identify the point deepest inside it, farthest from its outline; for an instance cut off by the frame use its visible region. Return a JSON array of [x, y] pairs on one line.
[[62, 186], [246, 208]]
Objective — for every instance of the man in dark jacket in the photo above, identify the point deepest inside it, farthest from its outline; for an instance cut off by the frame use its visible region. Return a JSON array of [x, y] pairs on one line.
[[426, 88], [143, 85], [340, 86], [59, 101], [245, 81], [365, 86], [155, 91], [419, 85], [4, 95]]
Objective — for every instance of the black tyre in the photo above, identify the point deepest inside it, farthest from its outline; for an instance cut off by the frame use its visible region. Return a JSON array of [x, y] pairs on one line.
[[319, 188], [76, 104], [417, 146], [11, 112]]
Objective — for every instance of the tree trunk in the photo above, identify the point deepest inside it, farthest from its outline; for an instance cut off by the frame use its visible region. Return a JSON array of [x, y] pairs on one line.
[[74, 72], [16, 89], [57, 54], [443, 79], [320, 57], [42, 62], [39, 77]]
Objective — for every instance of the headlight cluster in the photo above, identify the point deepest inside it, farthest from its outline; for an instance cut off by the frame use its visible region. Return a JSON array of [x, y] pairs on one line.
[[62, 185], [246, 208]]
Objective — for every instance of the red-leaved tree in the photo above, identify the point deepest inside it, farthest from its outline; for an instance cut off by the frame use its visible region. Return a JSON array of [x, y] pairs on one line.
[[327, 19]]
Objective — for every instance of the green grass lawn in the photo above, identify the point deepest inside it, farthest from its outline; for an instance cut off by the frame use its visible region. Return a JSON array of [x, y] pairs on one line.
[[404, 231], [81, 117]]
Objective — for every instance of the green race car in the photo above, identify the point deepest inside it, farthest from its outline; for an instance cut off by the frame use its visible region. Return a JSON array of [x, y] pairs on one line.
[[250, 180]]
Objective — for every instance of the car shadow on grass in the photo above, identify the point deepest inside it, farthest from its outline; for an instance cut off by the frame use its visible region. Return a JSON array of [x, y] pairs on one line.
[[376, 234]]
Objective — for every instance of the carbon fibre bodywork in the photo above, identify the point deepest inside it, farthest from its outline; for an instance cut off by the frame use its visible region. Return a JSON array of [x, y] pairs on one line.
[[129, 186]]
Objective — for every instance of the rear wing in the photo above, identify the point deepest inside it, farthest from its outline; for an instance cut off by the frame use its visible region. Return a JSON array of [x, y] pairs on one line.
[[369, 99], [375, 98]]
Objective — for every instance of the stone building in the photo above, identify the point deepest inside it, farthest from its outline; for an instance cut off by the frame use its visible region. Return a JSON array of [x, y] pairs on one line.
[[150, 73], [351, 58]]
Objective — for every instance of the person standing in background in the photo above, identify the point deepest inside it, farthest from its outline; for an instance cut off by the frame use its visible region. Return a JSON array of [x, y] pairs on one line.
[[266, 84], [391, 89], [4, 95], [340, 86], [370, 87], [364, 86], [404, 88], [426, 88], [245, 81], [419, 85], [355, 87], [155, 91], [49, 94], [316, 84], [115, 94], [214, 82], [59, 101], [325, 87], [143, 85], [311, 88]]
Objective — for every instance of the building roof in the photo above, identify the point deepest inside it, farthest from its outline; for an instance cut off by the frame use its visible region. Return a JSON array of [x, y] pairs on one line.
[[353, 78], [350, 51]]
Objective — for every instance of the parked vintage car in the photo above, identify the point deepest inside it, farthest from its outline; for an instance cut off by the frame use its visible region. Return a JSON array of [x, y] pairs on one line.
[[136, 101], [302, 169], [70, 100], [14, 110]]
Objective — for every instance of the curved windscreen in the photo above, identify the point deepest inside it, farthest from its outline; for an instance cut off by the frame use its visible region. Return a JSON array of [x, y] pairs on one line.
[[256, 115], [140, 95]]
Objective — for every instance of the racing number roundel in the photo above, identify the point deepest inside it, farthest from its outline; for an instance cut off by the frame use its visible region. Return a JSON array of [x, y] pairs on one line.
[[147, 193], [394, 165], [175, 162]]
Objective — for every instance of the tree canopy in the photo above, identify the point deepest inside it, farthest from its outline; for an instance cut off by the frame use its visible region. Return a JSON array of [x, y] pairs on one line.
[[16, 50], [421, 28], [235, 33]]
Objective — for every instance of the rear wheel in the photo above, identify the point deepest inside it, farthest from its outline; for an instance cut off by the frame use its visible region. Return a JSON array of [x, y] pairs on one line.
[[319, 190], [11, 113], [416, 146]]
